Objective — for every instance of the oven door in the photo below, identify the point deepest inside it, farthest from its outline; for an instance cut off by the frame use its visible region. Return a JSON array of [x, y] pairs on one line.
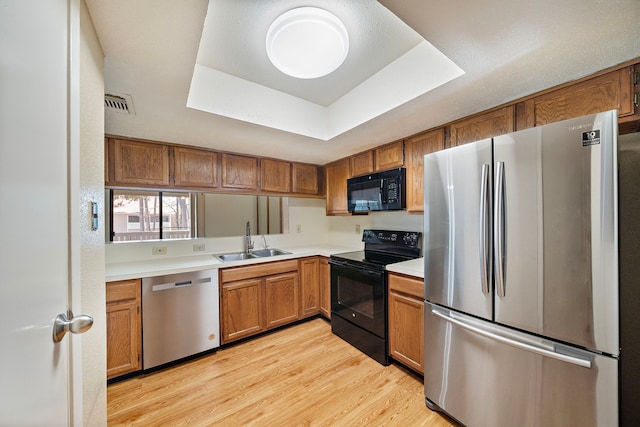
[[359, 296]]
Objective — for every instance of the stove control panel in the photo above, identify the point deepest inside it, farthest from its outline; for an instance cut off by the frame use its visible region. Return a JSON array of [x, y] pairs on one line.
[[397, 238]]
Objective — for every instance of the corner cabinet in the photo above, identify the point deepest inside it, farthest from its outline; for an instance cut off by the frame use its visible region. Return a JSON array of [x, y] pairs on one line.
[[406, 321], [416, 147], [258, 297], [305, 179], [124, 327], [337, 174]]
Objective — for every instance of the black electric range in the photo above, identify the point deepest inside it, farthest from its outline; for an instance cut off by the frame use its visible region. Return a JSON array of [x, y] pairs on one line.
[[359, 288]]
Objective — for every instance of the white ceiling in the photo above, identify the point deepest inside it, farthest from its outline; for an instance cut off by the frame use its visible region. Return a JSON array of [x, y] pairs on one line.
[[507, 49]]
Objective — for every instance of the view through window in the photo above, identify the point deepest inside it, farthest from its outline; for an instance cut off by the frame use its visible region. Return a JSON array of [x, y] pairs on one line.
[[150, 215]]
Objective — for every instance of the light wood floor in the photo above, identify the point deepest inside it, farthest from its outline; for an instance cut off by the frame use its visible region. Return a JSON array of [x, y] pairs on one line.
[[300, 376]]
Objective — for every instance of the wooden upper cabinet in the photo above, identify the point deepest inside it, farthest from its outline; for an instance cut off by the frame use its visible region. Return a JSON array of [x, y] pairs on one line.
[[361, 163], [195, 168], [305, 178], [239, 172], [487, 125], [614, 90], [276, 175], [416, 147], [336, 177], [389, 156], [140, 163]]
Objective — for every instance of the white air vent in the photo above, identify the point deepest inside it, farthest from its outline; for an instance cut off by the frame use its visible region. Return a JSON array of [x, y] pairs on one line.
[[119, 103]]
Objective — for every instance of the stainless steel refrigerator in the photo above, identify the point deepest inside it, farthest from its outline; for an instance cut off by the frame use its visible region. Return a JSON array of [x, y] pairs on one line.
[[521, 277]]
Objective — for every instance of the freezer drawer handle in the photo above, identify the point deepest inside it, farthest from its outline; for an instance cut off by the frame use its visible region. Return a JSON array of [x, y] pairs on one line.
[[514, 343]]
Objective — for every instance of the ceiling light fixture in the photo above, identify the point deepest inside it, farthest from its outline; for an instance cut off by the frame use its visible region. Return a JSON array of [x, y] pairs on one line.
[[307, 42]]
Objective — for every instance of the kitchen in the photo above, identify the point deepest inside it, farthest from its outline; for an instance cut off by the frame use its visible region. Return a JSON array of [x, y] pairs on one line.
[[339, 230]]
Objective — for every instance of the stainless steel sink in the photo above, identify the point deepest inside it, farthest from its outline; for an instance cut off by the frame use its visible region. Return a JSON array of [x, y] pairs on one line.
[[236, 256], [260, 253]]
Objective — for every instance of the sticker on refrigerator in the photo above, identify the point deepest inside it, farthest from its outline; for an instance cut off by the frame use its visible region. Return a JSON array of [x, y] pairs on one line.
[[591, 137]]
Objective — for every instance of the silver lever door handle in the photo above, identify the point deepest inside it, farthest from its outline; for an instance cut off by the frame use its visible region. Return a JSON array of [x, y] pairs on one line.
[[74, 324]]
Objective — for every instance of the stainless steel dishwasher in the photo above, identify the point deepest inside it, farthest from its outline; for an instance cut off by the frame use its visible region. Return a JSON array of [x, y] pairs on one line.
[[180, 316]]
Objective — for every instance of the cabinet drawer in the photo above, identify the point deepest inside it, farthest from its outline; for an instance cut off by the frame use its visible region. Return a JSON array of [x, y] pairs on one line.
[[241, 273], [122, 290], [406, 285]]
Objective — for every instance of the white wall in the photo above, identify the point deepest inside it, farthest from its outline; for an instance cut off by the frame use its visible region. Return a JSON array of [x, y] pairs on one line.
[[342, 229], [92, 258]]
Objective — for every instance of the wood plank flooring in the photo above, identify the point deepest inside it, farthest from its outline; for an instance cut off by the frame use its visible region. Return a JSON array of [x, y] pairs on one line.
[[299, 376]]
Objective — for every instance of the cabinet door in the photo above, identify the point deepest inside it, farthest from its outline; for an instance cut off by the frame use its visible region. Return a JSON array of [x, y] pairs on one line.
[[325, 288], [309, 286], [140, 163], [389, 156], [406, 322], [337, 174], [482, 126], [362, 163], [239, 172], [195, 168], [241, 309], [305, 178], [607, 92], [281, 299], [276, 175], [416, 148], [124, 334]]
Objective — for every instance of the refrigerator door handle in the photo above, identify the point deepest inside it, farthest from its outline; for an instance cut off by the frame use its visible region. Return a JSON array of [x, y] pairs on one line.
[[485, 269], [514, 343], [499, 229]]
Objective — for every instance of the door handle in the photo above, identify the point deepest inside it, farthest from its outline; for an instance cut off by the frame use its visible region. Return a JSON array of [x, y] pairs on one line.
[[74, 324]]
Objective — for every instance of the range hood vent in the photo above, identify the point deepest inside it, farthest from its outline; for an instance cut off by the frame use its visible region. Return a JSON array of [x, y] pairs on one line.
[[118, 103]]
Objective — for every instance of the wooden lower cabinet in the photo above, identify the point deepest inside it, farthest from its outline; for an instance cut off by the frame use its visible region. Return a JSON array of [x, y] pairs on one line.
[[124, 327], [281, 299], [258, 297], [325, 287], [406, 321], [309, 271]]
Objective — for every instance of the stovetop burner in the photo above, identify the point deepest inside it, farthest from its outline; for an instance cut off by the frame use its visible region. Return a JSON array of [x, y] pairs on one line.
[[382, 247]]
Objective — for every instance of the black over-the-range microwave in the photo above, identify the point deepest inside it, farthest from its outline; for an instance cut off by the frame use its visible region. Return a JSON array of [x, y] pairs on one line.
[[380, 191]]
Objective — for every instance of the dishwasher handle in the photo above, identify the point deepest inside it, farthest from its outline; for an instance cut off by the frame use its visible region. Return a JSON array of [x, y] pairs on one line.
[[174, 285]]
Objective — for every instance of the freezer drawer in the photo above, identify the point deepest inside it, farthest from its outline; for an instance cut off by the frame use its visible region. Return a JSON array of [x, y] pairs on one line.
[[486, 375]]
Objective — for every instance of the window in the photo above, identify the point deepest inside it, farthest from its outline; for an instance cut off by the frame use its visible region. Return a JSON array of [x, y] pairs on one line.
[[149, 215]]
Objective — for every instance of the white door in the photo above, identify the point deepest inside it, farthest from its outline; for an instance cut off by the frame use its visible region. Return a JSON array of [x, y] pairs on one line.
[[34, 242]]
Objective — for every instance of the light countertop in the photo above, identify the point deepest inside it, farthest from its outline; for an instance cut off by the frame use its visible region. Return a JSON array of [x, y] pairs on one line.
[[160, 267], [414, 267]]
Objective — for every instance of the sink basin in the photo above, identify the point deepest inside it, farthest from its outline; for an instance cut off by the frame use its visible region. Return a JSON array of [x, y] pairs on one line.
[[260, 253], [236, 256]]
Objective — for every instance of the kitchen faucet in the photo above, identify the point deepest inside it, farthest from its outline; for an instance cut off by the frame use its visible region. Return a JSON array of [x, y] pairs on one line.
[[248, 244]]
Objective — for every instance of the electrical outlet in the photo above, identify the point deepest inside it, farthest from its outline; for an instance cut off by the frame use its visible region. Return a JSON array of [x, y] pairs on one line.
[[198, 247], [357, 228], [159, 250], [298, 228]]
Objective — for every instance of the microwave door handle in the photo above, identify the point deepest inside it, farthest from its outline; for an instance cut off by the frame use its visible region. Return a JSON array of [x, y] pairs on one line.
[[383, 193]]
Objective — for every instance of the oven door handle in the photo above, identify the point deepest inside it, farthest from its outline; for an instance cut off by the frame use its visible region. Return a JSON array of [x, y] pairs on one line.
[[378, 273]]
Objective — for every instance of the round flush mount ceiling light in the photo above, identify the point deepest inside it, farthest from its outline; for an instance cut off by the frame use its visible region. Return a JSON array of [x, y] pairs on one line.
[[307, 42]]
